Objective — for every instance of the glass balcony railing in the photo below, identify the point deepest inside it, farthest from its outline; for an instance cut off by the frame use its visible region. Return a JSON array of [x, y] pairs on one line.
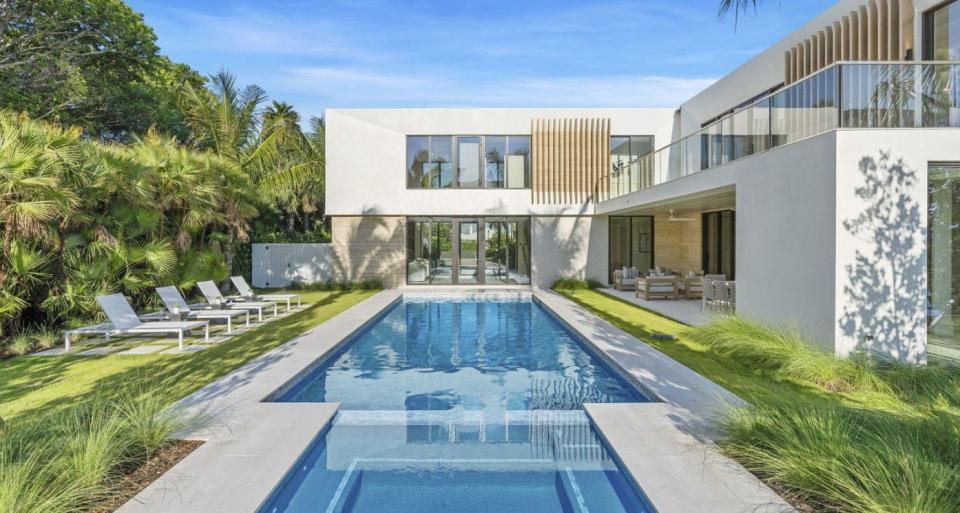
[[844, 95]]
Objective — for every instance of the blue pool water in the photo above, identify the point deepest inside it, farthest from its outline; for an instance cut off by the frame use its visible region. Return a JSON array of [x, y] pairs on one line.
[[490, 356], [460, 406]]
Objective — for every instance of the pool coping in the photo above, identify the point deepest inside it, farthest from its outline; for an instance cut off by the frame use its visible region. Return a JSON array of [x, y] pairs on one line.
[[251, 445], [678, 472]]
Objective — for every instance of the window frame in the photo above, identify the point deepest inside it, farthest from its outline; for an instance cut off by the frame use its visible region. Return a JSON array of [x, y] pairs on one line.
[[926, 26], [454, 154]]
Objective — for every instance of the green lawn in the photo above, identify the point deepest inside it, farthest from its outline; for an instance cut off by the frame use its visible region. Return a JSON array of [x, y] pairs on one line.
[[750, 384], [831, 435], [40, 385]]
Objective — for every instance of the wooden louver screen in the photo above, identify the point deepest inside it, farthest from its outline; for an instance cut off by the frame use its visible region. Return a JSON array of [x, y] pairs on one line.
[[878, 30], [568, 157]]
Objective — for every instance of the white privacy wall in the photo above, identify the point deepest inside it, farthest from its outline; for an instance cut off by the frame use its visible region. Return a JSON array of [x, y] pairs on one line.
[[568, 247], [279, 265]]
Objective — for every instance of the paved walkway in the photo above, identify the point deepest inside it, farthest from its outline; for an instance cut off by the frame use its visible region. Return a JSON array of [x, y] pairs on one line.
[[686, 311]]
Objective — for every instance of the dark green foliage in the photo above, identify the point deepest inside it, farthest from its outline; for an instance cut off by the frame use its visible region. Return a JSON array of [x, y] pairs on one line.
[[88, 63], [576, 284]]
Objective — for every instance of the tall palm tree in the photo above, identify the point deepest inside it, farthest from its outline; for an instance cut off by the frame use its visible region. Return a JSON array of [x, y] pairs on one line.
[[223, 118]]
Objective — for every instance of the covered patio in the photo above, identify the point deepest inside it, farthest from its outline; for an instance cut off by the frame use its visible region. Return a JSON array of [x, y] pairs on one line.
[[676, 257]]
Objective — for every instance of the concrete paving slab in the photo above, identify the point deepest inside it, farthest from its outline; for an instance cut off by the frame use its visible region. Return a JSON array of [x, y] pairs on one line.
[[100, 351], [146, 349], [678, 472], [236, 473], [186, 349], [53, 351], [686, 311]]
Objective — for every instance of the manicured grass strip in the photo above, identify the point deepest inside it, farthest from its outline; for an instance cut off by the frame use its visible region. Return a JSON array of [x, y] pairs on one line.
[[833, 435], [748, 383], [33, 385]]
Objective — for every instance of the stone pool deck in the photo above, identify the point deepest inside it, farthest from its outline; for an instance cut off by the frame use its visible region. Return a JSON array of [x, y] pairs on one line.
[[250, 444]]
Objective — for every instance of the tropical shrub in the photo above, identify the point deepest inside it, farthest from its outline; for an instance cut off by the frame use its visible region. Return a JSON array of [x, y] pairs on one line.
[[80, 218], [576, 284]]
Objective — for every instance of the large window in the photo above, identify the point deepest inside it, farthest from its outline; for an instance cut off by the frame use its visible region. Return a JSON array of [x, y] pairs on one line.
[[943, 256], [464, 251], [941, 33], [627, 148], [445, 161]]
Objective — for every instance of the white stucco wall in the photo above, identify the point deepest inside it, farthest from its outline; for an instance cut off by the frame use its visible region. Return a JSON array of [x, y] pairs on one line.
[[881, 262], [366, 157], [568, 247], [785, 237]]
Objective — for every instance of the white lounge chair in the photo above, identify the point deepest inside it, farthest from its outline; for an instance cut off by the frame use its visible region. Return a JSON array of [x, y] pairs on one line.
[[173, 301], [216, 300], [247, 293], [123, 319]]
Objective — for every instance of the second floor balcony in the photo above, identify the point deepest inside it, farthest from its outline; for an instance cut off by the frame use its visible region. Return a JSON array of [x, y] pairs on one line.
[[845, 95]]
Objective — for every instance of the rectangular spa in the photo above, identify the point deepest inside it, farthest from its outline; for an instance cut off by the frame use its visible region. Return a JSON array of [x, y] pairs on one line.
[[460, 406]]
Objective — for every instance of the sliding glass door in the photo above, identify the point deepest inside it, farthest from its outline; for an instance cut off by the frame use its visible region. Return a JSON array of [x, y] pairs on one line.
[[469, 262], [631, 243], [490, 251], [719, 243]]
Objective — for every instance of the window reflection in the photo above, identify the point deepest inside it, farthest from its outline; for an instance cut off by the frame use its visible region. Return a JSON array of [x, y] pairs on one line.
[[943, 255], [441, 162], [492, 161], [494, 158], [418, 154], [518, 161], [468, 162], [941, 33], [468, 251]]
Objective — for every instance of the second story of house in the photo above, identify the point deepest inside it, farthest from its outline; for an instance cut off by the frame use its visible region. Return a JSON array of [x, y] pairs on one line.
[[861, 64], [435, 162]]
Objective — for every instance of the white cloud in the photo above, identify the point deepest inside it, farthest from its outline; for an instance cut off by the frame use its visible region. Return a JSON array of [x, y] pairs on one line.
[[348, 87]]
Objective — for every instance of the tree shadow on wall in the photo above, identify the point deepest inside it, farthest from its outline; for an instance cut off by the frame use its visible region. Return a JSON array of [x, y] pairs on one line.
[[886, 282], [374, 249]]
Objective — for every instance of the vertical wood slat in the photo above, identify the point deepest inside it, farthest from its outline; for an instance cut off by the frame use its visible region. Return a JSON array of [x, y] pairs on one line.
[[570, 156]]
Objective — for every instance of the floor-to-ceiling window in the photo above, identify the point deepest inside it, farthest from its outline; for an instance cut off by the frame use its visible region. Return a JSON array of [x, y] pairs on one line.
[[465, 251], [941, 33], [469, 263], [943, 255], [631, 243], [719, 243], [506, 251]]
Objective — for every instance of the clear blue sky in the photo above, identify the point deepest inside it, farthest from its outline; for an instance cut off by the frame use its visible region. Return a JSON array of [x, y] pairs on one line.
[[371, 53]]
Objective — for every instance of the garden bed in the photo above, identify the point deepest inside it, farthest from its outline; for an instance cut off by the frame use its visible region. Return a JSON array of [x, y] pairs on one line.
[[139, 478]]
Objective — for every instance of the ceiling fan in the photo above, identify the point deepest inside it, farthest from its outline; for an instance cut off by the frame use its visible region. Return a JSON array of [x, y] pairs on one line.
[[674, 217]]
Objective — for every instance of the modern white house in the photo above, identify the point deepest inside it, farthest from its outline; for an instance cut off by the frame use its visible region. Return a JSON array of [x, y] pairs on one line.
[[823, 176]]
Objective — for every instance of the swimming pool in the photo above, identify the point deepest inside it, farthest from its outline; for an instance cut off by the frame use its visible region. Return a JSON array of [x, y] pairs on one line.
[[470, 355], [460, 406]]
